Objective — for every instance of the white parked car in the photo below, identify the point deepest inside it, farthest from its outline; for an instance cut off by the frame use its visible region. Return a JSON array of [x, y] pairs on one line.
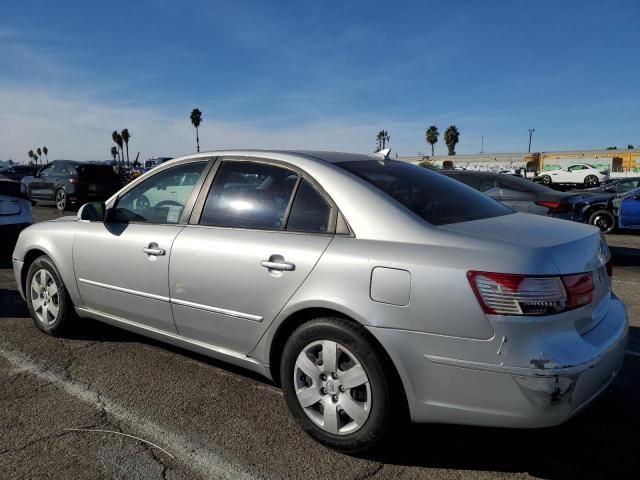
[[579, 173]]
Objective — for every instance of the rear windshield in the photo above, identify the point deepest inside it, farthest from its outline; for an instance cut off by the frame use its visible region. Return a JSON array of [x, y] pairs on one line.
[[11, 189], [434, 197], [96, 172]]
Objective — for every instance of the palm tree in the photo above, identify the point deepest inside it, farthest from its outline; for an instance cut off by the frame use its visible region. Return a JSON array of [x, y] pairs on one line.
[[39, 150], [30, 155], [114, 152], [125, 138], [431, 136], [451, 138], [117, 139], [196, 120], [45, 150], [382, 138]]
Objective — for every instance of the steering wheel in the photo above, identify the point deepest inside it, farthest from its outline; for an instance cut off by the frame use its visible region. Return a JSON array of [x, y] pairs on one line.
[[142, 203], [168, 203]]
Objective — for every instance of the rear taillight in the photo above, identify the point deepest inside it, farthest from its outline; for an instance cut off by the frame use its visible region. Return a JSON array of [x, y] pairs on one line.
[[74, 180], [556, 206], [508, 294]]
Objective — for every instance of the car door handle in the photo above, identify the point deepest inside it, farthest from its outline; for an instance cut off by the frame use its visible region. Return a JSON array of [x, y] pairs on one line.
[[282, 266], [154, 249]]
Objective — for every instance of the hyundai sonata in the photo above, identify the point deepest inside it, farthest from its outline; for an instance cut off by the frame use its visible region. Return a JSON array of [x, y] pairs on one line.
[[369, 288]]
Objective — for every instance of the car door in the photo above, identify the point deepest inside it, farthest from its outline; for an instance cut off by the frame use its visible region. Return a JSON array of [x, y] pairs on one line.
[[122, 264], [39, 185], [629, 212], [260, 230]]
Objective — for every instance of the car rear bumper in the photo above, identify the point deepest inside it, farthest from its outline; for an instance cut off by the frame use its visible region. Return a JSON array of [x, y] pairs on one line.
[[448, 390]]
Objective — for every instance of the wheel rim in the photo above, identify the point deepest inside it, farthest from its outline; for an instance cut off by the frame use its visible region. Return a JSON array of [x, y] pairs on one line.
[[61, 200], [332, 387], [603, 222], [591, 181], [546, 180], [45, 297]]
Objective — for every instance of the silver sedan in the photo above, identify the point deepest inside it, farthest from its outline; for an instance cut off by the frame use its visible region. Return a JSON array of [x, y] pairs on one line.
[[372, 290]]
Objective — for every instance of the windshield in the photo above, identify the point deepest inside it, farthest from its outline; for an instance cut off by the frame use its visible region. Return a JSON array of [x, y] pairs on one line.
[[434, 197]]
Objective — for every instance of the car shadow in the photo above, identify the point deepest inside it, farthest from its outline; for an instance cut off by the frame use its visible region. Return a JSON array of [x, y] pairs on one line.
[[625, 256]]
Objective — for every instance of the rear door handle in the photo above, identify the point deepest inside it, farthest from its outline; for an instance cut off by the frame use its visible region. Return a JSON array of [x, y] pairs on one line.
[[280, 266], [154, 249]]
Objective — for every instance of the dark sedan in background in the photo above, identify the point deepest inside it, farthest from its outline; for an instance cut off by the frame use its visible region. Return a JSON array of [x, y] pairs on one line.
[[618, 185], [67, 182], [18, 172], [526, 196]]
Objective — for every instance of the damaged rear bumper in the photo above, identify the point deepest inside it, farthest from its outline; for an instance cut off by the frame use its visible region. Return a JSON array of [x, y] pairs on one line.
[[539, 394]]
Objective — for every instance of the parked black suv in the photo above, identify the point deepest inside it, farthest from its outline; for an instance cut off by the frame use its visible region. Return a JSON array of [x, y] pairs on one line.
[[66, 182]]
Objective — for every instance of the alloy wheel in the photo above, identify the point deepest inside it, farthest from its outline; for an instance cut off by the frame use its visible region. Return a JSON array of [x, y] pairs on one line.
[[603, 221], [332, 387], [61, 200], [591, 181], [546, 180], [45, 297]]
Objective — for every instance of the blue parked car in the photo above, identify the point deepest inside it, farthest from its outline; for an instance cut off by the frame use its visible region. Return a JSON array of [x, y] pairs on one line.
[[627, 209]]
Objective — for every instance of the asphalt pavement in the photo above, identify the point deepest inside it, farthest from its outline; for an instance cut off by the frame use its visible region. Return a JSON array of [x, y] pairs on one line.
[[105, 403]]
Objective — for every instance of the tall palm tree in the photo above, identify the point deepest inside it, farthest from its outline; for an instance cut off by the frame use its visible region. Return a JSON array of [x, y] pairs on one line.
[[117, 139], [451, 138], [45, 150], [382, 138], [30, 155], [196, 120], [431, 136], [125, 138], [114, 152], [39, 150]]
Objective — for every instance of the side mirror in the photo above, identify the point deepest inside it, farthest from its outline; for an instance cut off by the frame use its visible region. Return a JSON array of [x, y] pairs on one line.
[[93, 212]]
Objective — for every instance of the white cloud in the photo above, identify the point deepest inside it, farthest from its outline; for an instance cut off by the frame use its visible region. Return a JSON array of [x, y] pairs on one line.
[[76, 126]]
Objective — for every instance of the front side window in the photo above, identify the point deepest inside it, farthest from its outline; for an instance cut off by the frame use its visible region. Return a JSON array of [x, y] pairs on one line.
[[159, 199], [249, 195], [432, 196]]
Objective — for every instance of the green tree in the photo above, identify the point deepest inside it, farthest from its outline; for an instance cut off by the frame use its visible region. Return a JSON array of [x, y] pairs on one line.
[[125, 138], [117, 139], [45, 150], [114, 153], [382, 138], [431, 136], [630, 147], [451, 138], [196, 121]]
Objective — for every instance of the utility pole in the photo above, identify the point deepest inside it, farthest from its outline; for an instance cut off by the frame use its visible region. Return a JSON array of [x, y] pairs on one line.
[[531, 130], [482, 146]]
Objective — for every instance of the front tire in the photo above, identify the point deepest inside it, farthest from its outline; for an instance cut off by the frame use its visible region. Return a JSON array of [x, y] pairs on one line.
[[604, 220], [546, 180], [61, 200], [47, 298], [338, 388]]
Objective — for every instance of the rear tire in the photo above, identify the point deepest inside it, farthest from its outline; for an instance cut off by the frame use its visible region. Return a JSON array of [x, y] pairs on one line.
[[546, 180], [61, 200], [47, 298], [345, 404], [591, 181], [604, 220]]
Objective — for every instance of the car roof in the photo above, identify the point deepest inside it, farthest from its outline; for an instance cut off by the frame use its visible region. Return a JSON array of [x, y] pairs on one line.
[[317, 155], [471, 172]]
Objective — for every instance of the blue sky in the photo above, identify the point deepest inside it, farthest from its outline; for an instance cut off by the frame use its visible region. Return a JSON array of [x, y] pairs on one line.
[[317, 74]]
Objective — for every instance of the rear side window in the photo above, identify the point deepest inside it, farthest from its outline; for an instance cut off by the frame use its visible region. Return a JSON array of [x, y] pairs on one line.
[[95, 173], [249, 195], [432, 196], [310, 212]]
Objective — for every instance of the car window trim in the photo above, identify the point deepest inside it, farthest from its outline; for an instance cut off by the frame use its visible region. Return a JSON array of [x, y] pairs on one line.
[[198, 209], [186, 213]]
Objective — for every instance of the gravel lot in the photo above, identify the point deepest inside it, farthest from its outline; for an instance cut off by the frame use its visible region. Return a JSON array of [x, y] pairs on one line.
[[206, 419]]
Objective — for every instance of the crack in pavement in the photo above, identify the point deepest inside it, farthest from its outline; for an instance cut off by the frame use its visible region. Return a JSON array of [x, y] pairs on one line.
[[205, 462]]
